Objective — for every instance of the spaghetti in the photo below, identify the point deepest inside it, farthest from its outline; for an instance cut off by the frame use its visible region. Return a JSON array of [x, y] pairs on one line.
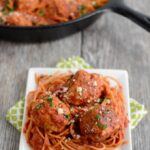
[[45, 12], [80, 111]]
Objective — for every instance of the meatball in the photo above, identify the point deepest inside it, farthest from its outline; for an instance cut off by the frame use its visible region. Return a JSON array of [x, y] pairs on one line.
[[50, 114], [101, 121], [83, 88]]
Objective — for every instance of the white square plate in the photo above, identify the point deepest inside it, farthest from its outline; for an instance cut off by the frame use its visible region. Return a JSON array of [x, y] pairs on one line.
[[120, 75]]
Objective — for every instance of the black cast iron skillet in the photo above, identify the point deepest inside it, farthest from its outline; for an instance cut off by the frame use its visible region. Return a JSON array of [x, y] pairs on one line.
[[52, 32]]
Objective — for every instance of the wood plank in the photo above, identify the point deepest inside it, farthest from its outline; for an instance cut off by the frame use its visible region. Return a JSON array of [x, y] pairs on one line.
[[115, 42], [15, 60], [112, 42]]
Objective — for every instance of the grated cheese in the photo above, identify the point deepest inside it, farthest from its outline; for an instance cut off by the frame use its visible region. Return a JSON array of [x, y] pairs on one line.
[[60, 111], [79, 90], [78, 136], [94, 83]]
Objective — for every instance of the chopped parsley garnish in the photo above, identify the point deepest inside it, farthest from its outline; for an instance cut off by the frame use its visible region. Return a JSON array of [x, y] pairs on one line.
[[39, 106], [102, 126], [98, 125], [82, 10], [100, 100], [41, 12], [81, 7], [50, 100], [66, 116], [105, 100], [7, 10], [11, 9], [98, 117]]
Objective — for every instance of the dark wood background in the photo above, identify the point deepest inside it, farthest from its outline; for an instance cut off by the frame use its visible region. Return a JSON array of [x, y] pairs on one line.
[[111, 42]]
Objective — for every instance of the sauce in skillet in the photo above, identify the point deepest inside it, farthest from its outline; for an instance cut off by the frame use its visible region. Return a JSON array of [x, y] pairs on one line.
[[45, 12]]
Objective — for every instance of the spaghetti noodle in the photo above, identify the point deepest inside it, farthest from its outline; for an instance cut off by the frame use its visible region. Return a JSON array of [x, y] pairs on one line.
[[78, 111], [45, 12]]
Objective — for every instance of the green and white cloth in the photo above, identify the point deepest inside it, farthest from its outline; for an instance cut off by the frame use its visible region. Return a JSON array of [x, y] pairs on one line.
[[73, 62], [15, 114], [138, 111]]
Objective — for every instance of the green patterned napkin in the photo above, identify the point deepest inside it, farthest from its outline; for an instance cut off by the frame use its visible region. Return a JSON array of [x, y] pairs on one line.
[[73, 62], [138, 111], [15, 113]]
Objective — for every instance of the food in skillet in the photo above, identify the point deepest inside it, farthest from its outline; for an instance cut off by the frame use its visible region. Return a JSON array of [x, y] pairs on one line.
[[45, 12], [81, 111]]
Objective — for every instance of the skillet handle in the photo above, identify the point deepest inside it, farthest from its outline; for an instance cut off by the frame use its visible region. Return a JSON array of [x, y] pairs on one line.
[[137, 17]]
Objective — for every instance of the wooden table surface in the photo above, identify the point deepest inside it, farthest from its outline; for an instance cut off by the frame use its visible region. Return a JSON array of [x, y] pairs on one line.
[[111, 42]]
